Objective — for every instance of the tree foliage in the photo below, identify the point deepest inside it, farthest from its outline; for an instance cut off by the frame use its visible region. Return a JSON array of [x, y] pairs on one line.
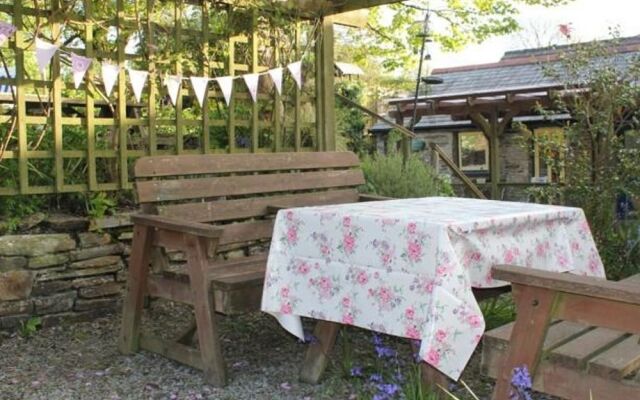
[[602, 162], [389, 45]]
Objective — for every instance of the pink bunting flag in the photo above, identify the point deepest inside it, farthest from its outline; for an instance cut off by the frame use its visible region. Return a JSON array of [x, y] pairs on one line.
[[79, 66], [276, 77], [199, 85], [173, 83], [296, 71], [138, 80], [44, 53], [226, 86], [6, 30], [109, 76], [251, 80]]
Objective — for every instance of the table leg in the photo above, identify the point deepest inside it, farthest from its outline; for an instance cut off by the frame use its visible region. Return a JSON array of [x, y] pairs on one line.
[[432, 378], [317, 356]]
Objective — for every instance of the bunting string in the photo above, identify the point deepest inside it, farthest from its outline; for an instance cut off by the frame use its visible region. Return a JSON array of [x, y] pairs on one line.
[[138, 78]]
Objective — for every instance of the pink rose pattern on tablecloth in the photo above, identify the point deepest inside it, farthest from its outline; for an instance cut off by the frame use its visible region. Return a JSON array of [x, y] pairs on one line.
[[406, 267]]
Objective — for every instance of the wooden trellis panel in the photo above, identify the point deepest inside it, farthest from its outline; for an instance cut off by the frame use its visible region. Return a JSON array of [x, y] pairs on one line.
[[68, 140]]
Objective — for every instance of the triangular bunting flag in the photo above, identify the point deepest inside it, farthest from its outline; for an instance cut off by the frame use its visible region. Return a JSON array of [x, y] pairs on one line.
[[44, 52], [226, 86], [199, 85], [138, 79], [252, 84], [109, 76], [79, 66], [276, 77], [296, 71], [6, 30], [173, 87]]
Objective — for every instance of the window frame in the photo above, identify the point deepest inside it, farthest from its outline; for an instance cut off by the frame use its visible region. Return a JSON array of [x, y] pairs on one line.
[[473, 168], [548, 131]]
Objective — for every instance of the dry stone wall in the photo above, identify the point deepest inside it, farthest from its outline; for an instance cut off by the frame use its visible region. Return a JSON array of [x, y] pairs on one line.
[[71, 276]]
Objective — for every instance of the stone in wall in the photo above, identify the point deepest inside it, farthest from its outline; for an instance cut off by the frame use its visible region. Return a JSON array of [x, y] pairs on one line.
[[15, 285], [15, 307], [93, 239], [11, 263], [55, 303], [48, 260], [35, 245], [94, 252], [108, 289]]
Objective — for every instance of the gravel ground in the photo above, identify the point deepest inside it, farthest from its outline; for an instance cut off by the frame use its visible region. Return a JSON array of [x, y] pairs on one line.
[[81, 361]]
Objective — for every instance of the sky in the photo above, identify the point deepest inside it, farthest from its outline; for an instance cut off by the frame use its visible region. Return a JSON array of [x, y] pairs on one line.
[[590, 19]]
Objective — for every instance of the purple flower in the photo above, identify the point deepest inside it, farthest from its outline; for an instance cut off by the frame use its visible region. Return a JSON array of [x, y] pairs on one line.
[[384, 351], [521, 378], [521, 384], [356, 371], [377, 339], [309, 338], [389, 389], [375, 378]]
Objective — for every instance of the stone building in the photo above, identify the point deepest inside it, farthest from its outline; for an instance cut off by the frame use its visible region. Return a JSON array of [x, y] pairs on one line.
[[460, 114]]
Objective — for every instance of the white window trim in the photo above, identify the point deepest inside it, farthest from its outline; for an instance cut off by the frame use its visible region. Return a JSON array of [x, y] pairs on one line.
[[483, 168]]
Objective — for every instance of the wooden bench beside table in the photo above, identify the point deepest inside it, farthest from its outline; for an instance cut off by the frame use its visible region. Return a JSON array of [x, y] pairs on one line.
[[207, 206], [579, 336]]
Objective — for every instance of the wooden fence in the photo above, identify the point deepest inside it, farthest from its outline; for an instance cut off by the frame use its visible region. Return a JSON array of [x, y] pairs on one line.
[[57, 139]]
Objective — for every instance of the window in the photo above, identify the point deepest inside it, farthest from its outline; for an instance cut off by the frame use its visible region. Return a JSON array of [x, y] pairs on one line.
[[473, 151], [548, 162]]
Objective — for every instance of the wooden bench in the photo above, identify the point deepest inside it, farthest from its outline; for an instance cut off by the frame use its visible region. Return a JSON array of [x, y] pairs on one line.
[[210, 206], [592, 351]]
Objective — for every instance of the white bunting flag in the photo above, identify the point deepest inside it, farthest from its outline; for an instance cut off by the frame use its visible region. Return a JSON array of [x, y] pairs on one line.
[[138, 80], [6, 30], [296, 71], [252, 84], [173, 83], [79, 66], [226, 86], [199, 85], [109, 76], [276, 77], [44, 52]]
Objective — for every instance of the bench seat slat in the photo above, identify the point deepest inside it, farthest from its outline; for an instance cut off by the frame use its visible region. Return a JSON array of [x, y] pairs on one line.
[[225, 210], [157, 166], [170, 190]]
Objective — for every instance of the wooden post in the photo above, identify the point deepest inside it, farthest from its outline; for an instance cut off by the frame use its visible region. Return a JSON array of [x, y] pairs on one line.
[[325, 86], [21, 107], [494, 155]]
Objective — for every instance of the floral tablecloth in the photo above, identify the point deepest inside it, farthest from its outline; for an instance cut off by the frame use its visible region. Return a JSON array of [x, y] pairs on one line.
[[406, 267]]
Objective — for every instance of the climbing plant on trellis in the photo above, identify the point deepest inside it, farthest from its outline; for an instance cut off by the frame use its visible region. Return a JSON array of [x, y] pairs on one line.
[[54, 138]]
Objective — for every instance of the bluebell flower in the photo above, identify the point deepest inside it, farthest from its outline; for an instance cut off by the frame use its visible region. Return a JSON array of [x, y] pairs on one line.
[[310, 338], [389, 389], [356, 371], [377, 339], [521, 378], [521, 384], [375, 378], [384, 351]]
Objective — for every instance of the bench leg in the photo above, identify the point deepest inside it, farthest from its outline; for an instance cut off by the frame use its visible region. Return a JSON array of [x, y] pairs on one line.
[[534, 308], [207, 329], [317, 356], [136, 287]]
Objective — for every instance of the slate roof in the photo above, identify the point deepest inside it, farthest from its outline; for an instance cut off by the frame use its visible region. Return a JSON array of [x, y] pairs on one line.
[[517, 71]]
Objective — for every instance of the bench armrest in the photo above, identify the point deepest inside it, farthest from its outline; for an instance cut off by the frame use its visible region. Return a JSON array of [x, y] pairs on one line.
[[373, 197], [626, 292], [176, 225]]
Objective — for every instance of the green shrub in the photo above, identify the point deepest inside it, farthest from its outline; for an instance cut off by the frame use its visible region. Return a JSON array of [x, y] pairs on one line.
[[390, 176]]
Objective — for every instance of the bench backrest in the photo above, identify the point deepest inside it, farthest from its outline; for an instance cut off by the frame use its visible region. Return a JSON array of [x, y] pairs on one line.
[[236, 189]]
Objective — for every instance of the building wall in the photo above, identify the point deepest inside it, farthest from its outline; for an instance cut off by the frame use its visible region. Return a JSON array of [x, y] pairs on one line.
[[516, 164]]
